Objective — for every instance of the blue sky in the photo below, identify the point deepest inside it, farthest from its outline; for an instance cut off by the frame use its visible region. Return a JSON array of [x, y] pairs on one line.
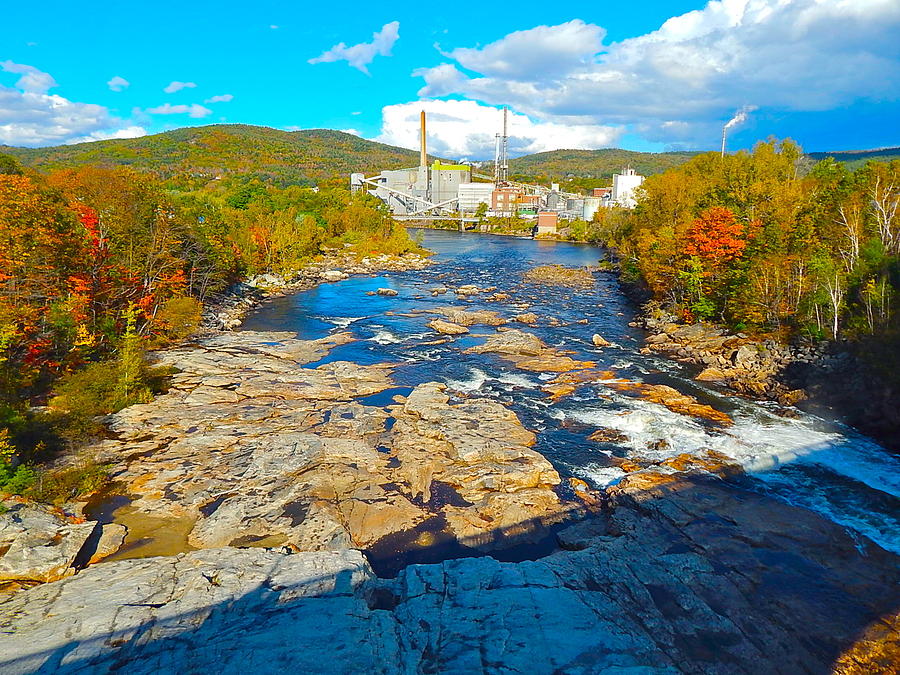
[[652, 76]]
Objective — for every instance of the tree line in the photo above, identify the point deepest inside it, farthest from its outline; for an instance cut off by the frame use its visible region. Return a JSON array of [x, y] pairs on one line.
[[759, 241]]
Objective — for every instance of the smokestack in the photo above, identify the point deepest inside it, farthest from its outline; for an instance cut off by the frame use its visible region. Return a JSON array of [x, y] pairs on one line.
[[724, 129], [423, 156]]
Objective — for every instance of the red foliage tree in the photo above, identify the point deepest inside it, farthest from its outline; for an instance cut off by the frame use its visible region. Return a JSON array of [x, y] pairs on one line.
[[716, 236]]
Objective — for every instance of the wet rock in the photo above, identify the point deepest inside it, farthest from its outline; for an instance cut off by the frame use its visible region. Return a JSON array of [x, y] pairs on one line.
[[599, 341], [529, 352], [512, 342], [792, 397], [447, 328], [608, 436], [529, 318], [465, 317], [671, 398], [386, 291]]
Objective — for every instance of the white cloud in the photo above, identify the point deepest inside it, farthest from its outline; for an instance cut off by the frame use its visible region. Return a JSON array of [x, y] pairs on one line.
[[33, 81], [543, 52], [679, 84], [192, 110], [273, 27], [128, 132], [221, 98], [29, 116], [466, 129], [354, 132], [175, 85], [361, 55], [118, 83]]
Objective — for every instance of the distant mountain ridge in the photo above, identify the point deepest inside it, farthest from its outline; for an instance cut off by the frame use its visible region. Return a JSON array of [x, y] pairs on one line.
[[283, 157], [595, 164], [310, 156]]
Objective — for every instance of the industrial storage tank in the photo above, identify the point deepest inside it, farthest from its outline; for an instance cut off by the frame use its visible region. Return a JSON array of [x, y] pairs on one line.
[[591, 206]]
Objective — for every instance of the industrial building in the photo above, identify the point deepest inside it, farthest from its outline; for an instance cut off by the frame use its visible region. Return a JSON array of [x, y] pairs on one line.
[[624, 185], [455, 191]]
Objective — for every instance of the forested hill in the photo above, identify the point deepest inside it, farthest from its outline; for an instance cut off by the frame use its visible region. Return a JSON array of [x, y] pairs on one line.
[[195, 155], [854, 159], [282, 157], [595, 164]]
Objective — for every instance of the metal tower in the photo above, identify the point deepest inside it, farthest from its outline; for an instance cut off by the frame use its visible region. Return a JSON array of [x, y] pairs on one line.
[[501, 152]]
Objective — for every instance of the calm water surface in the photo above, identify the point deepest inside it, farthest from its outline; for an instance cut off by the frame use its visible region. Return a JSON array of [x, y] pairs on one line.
[[807, 461]]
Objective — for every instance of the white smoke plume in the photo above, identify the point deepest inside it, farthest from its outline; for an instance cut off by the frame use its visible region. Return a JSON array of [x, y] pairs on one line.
[[740, 116]]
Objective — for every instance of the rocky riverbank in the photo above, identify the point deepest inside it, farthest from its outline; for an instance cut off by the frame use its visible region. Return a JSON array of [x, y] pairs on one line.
[[750, 367], [228, 311], [832, 380]]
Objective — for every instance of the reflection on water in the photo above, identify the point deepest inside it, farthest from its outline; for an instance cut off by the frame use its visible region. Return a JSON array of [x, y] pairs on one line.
[[807, 461]]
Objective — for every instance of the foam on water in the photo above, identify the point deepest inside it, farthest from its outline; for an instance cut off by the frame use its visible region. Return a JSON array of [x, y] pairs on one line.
[[385, 337], [478, 378], [601, 476], [340, 321], [771, 449]]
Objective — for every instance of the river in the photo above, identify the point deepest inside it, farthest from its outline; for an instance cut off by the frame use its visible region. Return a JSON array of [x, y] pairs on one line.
[[807, 461]]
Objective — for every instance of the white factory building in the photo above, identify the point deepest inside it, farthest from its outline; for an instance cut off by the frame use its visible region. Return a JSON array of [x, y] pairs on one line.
[[624, 185]]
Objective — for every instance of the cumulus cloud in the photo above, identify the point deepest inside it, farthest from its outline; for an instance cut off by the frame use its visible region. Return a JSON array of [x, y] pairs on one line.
[[29, 116], [175, 85], [118, 83], [361, 55], [678, 84], [192, 110], [32, 80], [467, 129], [354, 132], [221, 98]]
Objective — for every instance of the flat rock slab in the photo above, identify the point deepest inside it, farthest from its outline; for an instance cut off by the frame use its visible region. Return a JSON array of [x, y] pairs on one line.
[[262, 451], [690, 576]]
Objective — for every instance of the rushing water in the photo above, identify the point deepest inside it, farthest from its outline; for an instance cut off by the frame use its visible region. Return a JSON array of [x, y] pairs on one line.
[[806, 461]]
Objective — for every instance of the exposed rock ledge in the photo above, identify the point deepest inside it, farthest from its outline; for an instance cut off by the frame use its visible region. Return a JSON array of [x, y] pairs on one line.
[[251, 446], [687, 574]]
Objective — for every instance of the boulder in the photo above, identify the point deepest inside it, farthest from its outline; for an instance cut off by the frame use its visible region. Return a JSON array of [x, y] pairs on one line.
[[37, 544], [386, 291], [333, 275], [112, 536], [529, 318], [465, 317], [600, 341], [711, 374], [447, 328], [744, 356]]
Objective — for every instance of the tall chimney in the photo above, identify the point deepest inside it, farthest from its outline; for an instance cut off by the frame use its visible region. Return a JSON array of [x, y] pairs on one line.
[[423, 156], [724, 129]]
